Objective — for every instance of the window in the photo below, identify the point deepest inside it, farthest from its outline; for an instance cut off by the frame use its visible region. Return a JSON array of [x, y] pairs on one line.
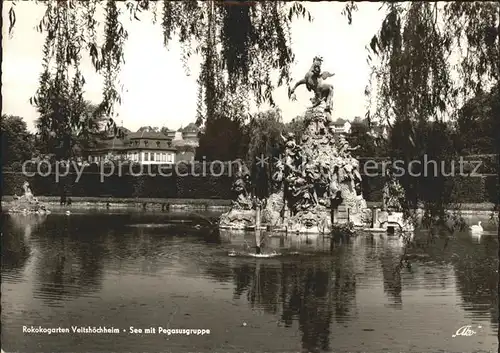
[[157, 143], [146, 156], [146, 143]]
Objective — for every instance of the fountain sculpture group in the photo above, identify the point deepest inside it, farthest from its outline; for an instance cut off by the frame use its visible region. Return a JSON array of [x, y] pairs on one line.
[[317, 179]]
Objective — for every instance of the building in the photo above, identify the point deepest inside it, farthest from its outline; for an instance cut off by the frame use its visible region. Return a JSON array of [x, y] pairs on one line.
[[186, 141], [342, 126], [374, 129], [144, 147]]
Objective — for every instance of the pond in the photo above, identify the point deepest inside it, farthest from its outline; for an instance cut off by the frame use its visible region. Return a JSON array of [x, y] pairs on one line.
[[158, 270]]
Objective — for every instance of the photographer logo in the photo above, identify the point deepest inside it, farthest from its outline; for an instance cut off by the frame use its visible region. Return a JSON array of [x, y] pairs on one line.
[[466, 331]]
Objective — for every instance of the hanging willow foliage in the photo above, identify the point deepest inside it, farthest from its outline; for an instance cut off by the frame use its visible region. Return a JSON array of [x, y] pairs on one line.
[[241, 43], [416, 45]]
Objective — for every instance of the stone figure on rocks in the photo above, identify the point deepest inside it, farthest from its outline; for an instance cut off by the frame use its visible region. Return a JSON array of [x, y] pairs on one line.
[[344, 148], [279, 174], [393, 193], [240, 187], [314, 81], [27, 203], [27, 193]]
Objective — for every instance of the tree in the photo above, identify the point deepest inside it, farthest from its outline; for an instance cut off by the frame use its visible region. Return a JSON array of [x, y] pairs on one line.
[[165, 130], [240, 45], [369, 145], [296, 126], [264, 145], [222, 137], [476, 125], [17, 142], [148, 129], [222, 140], [415, 76], [73, 140]]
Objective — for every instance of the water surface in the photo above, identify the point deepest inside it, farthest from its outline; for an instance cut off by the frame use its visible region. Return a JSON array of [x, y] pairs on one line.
[[151, 270]]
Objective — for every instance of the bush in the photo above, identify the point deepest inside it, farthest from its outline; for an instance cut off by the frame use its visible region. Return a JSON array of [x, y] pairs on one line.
[[469, 189]]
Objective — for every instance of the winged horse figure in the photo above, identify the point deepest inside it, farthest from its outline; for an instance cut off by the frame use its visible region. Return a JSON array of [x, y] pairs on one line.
[[314, 81]]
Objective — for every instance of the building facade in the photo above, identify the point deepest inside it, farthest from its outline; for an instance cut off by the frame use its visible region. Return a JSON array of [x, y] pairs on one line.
[[142, 147], [342, 126]]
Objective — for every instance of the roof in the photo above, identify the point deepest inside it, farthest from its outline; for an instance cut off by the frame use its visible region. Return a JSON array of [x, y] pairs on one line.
[[132, 149], [110, 143], [148, 135], [191, 127], [185, 143], [118, 144]]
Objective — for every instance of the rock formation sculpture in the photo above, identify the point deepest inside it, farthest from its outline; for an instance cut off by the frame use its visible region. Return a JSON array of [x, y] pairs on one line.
[[314, 177]]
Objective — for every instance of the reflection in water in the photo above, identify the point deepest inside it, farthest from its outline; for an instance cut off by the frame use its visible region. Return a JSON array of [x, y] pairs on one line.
[[68, 265], [331, 292], [390, 260], [16, 234], [477, 278], [312, 292]]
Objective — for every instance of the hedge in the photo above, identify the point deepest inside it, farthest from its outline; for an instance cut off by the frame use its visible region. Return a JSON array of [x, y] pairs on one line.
[[182, 186]]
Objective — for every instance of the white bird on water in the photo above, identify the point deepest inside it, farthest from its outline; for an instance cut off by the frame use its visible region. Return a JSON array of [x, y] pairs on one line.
[[477, 228]]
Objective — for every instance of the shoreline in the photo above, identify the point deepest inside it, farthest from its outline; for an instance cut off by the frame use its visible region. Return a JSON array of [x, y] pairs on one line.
[[221, 205]]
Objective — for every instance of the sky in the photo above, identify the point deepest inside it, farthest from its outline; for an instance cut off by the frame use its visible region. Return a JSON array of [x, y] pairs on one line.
[[159, 92]]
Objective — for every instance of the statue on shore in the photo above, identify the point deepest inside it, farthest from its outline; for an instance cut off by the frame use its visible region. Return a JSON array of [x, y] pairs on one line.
[[27, 192], [27, 203], [314, 81]]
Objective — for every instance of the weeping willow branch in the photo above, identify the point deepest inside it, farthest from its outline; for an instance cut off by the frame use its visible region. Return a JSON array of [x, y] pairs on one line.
[[415, 83], [240, 45]]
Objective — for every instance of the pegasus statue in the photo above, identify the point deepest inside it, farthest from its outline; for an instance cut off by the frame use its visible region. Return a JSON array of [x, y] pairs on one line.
[[314, 81]]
